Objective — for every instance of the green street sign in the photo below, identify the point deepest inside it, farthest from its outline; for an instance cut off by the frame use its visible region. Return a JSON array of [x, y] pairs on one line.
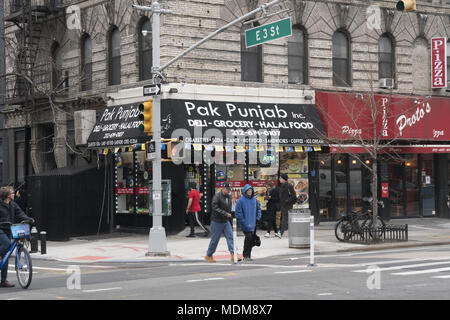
[[275, 30]]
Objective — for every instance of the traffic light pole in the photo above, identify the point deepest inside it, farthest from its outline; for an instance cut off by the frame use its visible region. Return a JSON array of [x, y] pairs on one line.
[[157, 242], [157, 245]]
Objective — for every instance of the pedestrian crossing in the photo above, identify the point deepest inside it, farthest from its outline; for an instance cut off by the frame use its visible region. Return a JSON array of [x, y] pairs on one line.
[[412, 268]]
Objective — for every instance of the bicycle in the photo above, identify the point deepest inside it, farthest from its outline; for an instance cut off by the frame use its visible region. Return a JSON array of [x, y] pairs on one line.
[[24, 267], [350, 224]]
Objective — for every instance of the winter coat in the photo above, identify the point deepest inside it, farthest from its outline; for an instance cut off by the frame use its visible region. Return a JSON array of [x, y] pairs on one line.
[[288, 197], [273, 204], [221, 206], [11, 213], [248, 210]]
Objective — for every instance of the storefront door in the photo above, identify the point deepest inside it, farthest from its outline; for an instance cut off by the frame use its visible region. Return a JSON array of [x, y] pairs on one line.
[[396, 171], [428, 186]]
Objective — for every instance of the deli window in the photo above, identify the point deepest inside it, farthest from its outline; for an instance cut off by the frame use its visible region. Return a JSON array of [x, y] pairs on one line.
[[295, 165]]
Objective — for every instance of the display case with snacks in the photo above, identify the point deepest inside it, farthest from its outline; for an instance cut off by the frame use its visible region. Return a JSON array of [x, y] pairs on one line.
[[235, 176], [259, 177]]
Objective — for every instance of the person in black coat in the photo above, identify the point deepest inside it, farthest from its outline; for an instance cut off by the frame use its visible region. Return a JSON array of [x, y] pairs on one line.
[[273, 205], [10, 213], [288, 198]]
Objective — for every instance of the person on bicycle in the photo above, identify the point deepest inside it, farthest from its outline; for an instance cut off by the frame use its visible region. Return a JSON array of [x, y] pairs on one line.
[[10, 213]]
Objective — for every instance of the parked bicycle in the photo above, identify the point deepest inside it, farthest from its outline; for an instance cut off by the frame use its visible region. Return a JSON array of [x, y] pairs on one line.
[[21, 236], [358, 222]]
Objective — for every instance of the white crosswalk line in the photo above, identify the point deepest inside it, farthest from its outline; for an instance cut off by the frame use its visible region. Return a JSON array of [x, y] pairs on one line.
[[410, 273], [294, 271], [406, 266], [442, 277]]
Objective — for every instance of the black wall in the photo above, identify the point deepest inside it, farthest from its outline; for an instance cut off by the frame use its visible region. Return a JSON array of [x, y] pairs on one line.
[[68, 203]]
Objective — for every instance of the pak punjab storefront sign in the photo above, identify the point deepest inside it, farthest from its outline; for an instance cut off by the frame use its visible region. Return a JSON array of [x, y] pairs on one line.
[[349, 116], [228, 122], [439, 63]]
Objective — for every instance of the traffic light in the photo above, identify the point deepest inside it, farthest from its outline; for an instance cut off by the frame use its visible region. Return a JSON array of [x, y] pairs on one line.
[[146, 116], [406, 5], [171, 150]]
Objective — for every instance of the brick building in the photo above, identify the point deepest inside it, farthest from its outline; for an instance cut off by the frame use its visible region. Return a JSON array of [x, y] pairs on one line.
[[80, 64]]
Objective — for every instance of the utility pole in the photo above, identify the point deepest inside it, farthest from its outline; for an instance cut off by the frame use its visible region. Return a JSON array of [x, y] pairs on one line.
[[157, 242], [2, 82], [157, 245]]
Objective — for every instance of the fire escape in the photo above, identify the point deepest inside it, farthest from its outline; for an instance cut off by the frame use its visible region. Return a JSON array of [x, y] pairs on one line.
[[28, 16]]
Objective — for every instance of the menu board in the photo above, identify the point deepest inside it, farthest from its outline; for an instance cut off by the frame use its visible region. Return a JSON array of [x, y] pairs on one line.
[[295, 165]]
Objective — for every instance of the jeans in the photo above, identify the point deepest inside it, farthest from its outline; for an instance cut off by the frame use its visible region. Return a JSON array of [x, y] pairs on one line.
[[5, 244], [217, 228]]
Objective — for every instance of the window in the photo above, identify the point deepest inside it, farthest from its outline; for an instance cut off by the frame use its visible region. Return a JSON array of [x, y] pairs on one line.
[[341, 60], [297, 60], [19, 155], [56, 65], [86, 63], [386, 57], [114, 57], [145, 50], [251, 60]]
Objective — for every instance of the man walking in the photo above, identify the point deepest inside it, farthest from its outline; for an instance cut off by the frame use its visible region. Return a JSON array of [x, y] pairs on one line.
[[288, 198], [221, 213], [193, 208], [248, 210]]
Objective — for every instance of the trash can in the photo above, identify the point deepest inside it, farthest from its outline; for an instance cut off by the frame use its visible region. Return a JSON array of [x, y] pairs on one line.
[[299, 228]]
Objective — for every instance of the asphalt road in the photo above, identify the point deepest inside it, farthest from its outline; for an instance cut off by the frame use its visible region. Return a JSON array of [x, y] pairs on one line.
[[414, 273]]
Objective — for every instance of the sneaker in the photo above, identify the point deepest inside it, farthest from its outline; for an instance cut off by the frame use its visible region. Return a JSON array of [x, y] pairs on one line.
[[6, 284], [191, 236], [248, 259], [238, 259], [278, 235], [210, 259], [267, 235]]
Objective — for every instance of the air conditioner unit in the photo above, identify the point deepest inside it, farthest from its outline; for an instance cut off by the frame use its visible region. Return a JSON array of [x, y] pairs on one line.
[[84, 122], [386, 83]]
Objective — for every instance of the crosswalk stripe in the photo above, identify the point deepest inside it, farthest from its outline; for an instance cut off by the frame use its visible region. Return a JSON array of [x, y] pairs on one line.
[[409, 273], [294, 271], [442, 277], [406, 266]]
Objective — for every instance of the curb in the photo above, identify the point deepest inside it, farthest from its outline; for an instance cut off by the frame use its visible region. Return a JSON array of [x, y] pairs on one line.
[[395, 246]]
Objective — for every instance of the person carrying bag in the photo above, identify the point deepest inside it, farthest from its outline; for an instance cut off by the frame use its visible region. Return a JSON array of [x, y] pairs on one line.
[[248, 211]]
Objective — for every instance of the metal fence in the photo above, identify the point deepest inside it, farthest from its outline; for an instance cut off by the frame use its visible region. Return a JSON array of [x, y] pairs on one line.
[[387, 233]]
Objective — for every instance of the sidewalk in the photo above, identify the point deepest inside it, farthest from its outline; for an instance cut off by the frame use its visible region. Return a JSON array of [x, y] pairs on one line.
[[127, 247]]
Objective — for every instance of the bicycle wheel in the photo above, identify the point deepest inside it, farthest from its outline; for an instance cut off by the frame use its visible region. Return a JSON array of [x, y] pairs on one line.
[[342, 230], [379, 223], [24, 267]]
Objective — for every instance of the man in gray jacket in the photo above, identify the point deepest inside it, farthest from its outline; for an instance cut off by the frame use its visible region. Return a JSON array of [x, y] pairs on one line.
[[221, 213]]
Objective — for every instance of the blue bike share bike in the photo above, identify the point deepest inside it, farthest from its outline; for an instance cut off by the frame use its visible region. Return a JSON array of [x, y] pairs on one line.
[[21, 235]]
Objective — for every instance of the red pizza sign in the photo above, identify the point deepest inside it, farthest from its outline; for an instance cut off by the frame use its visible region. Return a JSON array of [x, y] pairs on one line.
[[438, 62]]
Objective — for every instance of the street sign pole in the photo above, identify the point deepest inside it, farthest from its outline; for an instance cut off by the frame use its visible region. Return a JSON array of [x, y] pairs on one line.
[[157, 245]]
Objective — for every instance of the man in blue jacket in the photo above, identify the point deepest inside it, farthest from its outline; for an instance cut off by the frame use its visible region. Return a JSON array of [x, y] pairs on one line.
[[248, 210]]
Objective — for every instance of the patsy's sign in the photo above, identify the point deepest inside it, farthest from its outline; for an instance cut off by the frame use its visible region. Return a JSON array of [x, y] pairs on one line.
[[348, 116], [438, 63]]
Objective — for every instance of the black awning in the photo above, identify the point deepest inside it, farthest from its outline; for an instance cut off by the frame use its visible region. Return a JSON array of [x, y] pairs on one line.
[[118, 126], [249, 122]]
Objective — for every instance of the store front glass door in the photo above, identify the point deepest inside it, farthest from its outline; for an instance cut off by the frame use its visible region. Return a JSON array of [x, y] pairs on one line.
[[428, 185], [325, 188], [412, 185], [341, 184], [396, 171], [355, 185]]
